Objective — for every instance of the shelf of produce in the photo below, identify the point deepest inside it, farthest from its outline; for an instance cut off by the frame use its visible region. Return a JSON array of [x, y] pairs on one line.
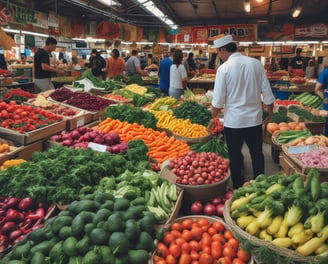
[[35, 135]]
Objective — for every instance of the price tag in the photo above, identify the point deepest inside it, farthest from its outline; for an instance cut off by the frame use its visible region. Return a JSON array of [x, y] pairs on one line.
[[301, 149], [80, 122], [97, 147]]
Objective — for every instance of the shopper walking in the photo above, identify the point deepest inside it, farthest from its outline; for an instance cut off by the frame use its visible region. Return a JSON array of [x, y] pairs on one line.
[[42, 68], [115, 64], [321, 89], [132, 65], [178, 75], [97, 64], [164, 72], [240, 83]]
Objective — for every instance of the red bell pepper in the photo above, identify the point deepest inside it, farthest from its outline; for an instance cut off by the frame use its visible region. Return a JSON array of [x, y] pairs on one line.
[[14, 235]]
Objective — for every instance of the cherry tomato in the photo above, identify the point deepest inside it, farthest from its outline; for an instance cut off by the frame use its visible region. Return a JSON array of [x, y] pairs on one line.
[[175, 250], [234, 243], [237, 261], [218, 226], [228, 234], [228, 252], [162, 250]]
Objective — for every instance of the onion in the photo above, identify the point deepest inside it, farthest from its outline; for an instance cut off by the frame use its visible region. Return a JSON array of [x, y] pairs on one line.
[[108, 139], [75, 134], [115, 137], [82, 129], [219, 209], [67, 142], [196, 208], [98, 139], [56, 138], [210, 209], [216, 200]]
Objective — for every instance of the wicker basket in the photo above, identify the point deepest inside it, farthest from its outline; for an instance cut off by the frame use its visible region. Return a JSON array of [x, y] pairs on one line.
[[204, 192], [194, 140], [288, 253]]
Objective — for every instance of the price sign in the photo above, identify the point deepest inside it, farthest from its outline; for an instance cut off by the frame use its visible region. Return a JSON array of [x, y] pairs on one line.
[[97, 147]]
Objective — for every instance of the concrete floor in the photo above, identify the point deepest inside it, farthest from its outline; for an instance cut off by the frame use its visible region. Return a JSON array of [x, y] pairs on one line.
[[270, 166]]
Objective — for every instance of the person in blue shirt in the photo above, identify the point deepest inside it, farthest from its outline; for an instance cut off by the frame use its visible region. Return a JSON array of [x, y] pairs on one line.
[[164, 72], [321, 89]]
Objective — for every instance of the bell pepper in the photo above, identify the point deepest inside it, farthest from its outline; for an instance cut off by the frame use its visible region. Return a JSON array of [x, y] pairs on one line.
[[10, 203], [25, 204], [8, 227], [13, 215], [14, 235]]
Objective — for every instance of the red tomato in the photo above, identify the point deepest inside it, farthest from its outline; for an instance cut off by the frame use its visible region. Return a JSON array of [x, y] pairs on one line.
[[175, 250], [237, 261], [4, 114], [224, 260], [243, 255], [185, 259], [205, 258], [3, 105], [162, 250], [228, 252], [234, 243], [228, 234], [170, 259], [218, 226]]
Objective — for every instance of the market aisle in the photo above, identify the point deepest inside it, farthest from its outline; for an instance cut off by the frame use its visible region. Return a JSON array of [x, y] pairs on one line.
[[270, 166]]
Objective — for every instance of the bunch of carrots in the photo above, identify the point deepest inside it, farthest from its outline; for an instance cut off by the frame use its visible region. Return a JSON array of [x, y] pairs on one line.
[[161, 147]]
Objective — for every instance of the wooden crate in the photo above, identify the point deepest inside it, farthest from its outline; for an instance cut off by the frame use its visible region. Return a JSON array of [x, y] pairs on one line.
[[301, 169], [287, 166], [35, 135], [27, 151]]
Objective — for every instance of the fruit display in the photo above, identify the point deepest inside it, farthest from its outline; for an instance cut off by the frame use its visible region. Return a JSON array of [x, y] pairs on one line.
[[25, 118]]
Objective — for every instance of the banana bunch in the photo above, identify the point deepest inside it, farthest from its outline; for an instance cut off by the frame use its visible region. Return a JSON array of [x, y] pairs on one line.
[[164, 103]]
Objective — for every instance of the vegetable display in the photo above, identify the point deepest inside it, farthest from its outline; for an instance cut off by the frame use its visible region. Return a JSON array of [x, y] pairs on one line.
[[45, 181], [285, 211], [283, 126], [18, 95], [212, 207], [96, 229], [131, 115], [199, 168], [24, 118], [195, 112], [319, 140], [135, 88], [82, 136], [286, 102], [304, 114], [178, 126], [314, 158], [81, 100], [18, 217], [213, 145], [164, 103], [290, 135], [199, 240], [11, 162], [161, 147], [145, 188], [307, 99]]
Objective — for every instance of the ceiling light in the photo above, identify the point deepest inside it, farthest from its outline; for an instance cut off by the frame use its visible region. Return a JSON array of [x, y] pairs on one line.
[[152, 9], [296, 11], [34, 33], [247, 6], [110, 3], [11, 30], [259, 1]]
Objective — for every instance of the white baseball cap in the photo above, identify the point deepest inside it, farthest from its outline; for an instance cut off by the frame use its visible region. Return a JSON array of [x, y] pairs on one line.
[[222, 40]]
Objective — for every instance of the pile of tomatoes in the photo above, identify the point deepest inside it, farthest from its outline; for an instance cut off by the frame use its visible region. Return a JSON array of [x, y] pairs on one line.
[[24, 118], [199, 241]]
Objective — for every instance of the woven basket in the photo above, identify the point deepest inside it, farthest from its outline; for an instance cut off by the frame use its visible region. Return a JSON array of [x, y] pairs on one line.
[[260, 242], [194, 140], [211, 219]]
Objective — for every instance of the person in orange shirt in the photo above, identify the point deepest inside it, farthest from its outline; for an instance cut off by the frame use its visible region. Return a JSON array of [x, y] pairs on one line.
[[115, 64]]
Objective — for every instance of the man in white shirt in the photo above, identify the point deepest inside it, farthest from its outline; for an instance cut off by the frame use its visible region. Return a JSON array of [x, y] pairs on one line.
[[240, 84]]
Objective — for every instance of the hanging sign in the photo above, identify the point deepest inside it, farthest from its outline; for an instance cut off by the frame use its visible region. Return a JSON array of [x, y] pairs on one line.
[[23, 15], [311, 31]]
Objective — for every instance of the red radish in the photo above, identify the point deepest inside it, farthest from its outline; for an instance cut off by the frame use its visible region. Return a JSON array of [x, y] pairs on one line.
[[196, 208], [26, 203], [219, 209], [209, 209], [216, 200]]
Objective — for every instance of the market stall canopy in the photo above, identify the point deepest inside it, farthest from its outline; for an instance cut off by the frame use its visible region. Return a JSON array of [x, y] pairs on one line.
[[186, 12]]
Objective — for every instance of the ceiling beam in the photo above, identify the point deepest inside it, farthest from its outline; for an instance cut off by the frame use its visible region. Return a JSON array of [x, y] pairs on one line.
[[215, 7]]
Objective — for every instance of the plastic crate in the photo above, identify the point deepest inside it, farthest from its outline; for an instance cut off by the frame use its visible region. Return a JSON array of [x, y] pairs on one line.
[[282, 95]]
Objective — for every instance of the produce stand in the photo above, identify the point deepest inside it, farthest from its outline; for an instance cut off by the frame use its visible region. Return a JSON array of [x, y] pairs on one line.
[[35, 135], [257, 242], [206, 85], [295, 165]]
